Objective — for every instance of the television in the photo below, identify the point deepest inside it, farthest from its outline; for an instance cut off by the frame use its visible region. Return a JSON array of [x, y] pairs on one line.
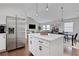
[[32, 26]]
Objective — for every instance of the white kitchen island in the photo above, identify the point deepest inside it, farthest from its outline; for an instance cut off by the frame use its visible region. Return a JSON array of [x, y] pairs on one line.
[[46, 45]]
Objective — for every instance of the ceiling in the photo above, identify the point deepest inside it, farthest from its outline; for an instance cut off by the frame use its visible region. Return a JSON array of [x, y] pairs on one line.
[[54, 13]]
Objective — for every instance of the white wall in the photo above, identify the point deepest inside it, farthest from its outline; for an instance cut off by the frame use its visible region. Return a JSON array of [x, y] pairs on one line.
[[10, 11], [32, 21]]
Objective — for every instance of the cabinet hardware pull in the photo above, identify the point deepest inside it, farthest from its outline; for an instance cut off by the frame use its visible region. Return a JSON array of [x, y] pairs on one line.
[[40, 48], [30, 37], [30, 42], [40, 41]]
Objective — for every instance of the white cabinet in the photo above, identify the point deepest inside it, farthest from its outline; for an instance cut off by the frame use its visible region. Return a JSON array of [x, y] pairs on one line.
[[33, 45], [37, 47], [2, 42], [42, 47], [43, 50], [30, 43]]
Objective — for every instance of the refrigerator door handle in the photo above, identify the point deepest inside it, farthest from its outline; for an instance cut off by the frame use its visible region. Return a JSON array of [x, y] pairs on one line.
[[11, 30]]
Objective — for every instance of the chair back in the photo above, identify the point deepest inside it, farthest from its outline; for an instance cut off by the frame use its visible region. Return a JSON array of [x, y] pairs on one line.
[[75, 35]]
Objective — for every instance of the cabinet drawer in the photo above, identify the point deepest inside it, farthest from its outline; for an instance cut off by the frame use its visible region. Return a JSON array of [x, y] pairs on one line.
[[2, 44], [44, 42], [43, 50], [30, 37]]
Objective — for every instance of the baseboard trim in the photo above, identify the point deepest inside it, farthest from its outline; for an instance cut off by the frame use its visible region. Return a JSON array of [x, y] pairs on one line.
[[4, 50], [15, 49]]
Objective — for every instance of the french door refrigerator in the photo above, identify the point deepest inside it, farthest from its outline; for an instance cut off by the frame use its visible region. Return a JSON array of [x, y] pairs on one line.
[[15, 32]]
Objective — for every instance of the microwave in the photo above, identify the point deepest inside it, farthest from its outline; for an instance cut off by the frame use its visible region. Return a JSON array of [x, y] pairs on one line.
[[2, 29]]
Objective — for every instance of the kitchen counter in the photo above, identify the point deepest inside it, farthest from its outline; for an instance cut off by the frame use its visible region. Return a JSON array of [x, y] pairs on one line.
[[48, 37], [46, 45]]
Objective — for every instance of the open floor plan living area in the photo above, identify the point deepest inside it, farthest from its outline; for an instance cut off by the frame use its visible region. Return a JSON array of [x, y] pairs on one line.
[[39, 29]]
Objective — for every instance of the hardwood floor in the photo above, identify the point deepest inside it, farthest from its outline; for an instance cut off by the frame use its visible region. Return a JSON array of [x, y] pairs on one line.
[[25, 52], [17, 52], [3, 54], [73, 52]]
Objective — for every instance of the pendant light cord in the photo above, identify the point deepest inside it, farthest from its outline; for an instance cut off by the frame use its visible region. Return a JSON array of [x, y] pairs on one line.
[[47, 7], [61, 13], [36, 9]]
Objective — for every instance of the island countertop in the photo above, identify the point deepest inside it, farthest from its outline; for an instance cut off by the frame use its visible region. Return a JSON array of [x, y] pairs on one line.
[[48, 37]]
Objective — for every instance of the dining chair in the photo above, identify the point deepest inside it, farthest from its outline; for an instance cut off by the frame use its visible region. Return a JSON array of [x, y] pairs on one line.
[[75, 38]]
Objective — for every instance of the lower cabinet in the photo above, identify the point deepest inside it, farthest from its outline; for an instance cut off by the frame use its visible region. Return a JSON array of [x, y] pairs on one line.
[[2, 42], [43, 50], [41, 47], [36, 47]]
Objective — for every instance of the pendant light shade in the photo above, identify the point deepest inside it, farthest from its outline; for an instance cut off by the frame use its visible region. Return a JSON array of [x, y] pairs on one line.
[[36, 9], [47, 7]]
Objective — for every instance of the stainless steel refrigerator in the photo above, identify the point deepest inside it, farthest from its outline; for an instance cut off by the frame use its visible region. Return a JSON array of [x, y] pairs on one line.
[[15, 32]]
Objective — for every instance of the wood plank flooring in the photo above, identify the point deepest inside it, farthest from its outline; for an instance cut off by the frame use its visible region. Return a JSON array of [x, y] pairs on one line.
[[25, 52], [17, 52]]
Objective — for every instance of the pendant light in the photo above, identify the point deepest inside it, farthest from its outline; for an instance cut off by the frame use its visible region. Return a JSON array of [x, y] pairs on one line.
[[36, 9], [62, 14], [47, 7]]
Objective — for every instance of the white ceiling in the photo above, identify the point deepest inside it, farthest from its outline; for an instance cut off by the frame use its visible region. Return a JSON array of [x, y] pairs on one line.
[[54, 12]]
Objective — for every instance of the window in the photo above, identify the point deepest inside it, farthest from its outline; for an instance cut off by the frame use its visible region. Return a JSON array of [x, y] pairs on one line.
[[46, 27], [68, 27]]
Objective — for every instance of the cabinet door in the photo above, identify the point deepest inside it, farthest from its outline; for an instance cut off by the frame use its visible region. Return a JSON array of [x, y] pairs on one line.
[[30, 43], [37, 48], [3, 42], [33, 45], [43, 50]]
